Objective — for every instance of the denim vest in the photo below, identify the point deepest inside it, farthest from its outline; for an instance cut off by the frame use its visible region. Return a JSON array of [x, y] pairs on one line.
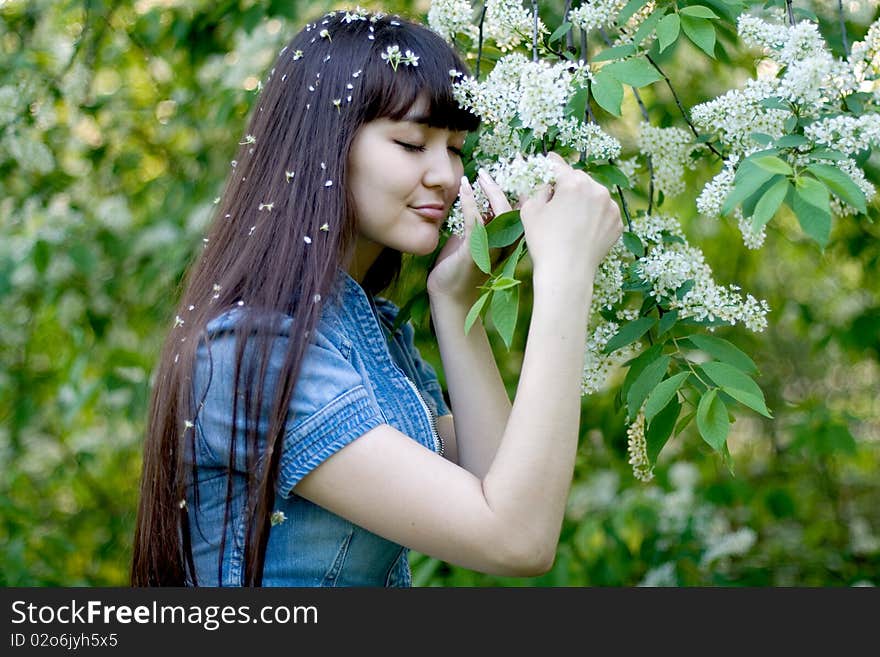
[[352, 379]]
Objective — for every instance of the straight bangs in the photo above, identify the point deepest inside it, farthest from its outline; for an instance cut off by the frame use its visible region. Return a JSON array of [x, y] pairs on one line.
[[391, 93]]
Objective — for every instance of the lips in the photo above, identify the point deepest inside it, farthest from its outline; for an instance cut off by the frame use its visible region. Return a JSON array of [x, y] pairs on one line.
[[432, 211]]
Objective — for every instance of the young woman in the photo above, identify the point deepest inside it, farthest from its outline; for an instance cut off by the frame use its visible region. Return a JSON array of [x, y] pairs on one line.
[[293, 438]]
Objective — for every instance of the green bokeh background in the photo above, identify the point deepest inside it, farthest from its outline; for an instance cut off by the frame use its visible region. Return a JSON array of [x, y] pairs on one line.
[[118, 121]]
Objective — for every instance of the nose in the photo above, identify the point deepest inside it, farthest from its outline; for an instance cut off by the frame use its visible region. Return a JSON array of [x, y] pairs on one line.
[[443, 168]]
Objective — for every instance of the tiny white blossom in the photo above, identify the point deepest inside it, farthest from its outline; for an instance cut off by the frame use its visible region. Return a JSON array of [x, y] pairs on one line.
[[277, 518]]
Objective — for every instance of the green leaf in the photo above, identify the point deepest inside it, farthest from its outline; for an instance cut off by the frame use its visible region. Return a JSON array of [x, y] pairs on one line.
[[701, 32], [633, 244], [577, 103], [751, 179], [509, 268], [684, 422], [773, 164], [791, 141], [479, 245], [647, 26], [762, 138], [609, 175], [748, 205], [505, 308], [629, 333], [626, 13], [810, 206], [637, 365], [712, 420], [839, 182], [617, 52], [607, 92], [827, 154], [645, 383], [737, 384], [560, 32], [504, 229], [769, 203], [668, 30], [667, 321], [636, 72], [698, 11], [474, 312], [723, 351], [775, 103], [660, 429], [662, 394], [504, 282]]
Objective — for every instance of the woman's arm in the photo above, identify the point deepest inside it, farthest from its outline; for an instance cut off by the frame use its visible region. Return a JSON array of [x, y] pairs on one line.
[[480, 404]]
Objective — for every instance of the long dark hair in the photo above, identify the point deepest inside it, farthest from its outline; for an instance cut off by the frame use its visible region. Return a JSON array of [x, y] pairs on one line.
[[325, 84]]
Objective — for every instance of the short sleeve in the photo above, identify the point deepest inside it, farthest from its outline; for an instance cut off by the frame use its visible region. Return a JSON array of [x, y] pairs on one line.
[[329, 408], [423, 373]]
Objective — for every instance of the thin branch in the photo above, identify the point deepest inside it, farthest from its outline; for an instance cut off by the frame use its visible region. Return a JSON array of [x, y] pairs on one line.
[[789, 11], [842, 28], [480, 42], [569, 36], [680, 106], [535, 32]]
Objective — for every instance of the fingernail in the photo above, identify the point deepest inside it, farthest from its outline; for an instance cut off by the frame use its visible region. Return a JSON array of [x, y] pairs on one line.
[[483, 172]]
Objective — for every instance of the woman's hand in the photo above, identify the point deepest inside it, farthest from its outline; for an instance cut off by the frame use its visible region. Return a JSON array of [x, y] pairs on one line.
[[570, 227], [455, 275]]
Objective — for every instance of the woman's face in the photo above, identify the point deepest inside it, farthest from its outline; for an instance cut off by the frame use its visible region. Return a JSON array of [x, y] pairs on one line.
[[404, 177]]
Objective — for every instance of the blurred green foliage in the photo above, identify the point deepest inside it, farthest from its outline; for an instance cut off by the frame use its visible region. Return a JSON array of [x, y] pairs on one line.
[[117, 124]]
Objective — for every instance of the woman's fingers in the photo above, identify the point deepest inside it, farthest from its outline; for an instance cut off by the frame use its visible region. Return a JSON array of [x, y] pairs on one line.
[[497, 199], [468, 207]]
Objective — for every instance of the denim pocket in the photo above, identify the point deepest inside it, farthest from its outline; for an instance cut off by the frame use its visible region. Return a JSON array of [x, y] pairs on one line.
[[332, 575]]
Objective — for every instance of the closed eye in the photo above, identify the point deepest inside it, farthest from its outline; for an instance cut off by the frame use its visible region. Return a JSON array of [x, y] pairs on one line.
[[412, 148]]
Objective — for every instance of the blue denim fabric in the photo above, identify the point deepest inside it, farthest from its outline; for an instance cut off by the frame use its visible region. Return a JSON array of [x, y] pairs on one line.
[[352, 379]]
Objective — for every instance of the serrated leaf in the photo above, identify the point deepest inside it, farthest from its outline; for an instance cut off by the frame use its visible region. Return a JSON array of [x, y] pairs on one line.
[[474, 312], [504, 229], [633, 244], [629, 333], [712, 420], [636, 72], [607, 92], [668, 30], [637, 365], [701, 32], [737, 384], [646, 28], [772, 164], [509, 268], [505, 309], [769, 203], [663, 394], [645, 383], [699, 11], [839, 182], [479, 247], [724, 351], [660, 429]]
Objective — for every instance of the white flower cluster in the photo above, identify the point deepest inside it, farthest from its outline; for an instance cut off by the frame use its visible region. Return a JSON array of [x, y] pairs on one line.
[[729, 544], [588, 138], [450, 17], [669, 149], [496, 97], [544, 89], [594, 15], [599, 366], [667, 265], [393, 56], [508, 23], [848, 134], [455, 220], [865, 55], [628, 30], [756, 32], [637, 449], [521, 176], [736, 114]]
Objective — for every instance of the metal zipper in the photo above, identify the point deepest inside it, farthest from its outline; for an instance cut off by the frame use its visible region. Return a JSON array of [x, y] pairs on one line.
[[438, 441]]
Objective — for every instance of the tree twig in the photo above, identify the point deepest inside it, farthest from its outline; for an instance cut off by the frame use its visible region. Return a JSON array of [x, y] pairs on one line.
[[843, 36]]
